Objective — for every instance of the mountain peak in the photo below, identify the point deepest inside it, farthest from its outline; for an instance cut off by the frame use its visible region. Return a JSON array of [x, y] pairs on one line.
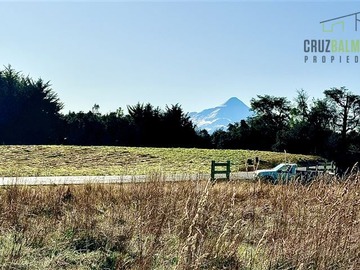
[[233, 110], [233, 100]]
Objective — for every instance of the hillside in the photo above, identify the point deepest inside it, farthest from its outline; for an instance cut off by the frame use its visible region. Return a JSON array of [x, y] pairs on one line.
[[111, 160]]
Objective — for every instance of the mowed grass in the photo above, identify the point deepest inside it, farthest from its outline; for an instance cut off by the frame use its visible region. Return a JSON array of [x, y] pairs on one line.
[[109, 160], [182, 225]]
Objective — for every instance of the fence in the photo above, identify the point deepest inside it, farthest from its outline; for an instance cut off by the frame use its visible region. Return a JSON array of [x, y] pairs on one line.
[[323, 166]]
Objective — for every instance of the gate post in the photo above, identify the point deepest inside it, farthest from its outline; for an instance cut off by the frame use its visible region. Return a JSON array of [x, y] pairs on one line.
[[213, 170]]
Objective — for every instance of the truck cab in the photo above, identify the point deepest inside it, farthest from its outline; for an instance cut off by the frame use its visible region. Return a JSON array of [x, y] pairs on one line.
[[281, 173]]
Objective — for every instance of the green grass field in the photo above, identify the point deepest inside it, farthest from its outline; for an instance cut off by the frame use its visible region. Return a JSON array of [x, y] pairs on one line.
[[110, 160]]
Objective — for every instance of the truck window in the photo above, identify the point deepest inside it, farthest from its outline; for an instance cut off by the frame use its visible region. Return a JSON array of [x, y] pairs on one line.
[[285, 168]]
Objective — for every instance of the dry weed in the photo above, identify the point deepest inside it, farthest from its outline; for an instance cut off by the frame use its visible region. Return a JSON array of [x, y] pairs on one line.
[[182, 225]]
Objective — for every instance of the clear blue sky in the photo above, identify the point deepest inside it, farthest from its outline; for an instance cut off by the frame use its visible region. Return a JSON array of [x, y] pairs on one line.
[[197, 54]]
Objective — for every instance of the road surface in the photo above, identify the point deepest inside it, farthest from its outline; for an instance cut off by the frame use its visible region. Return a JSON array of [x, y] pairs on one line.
[[77, 180]]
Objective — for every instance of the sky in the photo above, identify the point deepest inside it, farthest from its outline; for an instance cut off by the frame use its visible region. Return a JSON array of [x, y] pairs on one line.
[[194, 53]]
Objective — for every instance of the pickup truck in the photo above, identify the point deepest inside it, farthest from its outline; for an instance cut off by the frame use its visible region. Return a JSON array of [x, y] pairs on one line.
[[285, 172], [281, 173]]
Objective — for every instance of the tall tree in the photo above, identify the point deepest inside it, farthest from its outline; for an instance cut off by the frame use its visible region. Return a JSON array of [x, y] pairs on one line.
[[177, 128], [274, 110], [29, 109], [272, 115], [347, 106], [147, 123], [310, 133], [301, 109], [321, 114]]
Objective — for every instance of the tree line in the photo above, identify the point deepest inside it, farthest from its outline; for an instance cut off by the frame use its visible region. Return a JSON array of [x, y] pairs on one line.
[[30, 113], [329, 127]]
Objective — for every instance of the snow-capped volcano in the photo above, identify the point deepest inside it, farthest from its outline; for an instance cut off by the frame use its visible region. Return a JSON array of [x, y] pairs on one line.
[[233, 110]]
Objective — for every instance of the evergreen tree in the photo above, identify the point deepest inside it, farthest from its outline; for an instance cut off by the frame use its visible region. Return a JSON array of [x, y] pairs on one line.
[[29, 110]]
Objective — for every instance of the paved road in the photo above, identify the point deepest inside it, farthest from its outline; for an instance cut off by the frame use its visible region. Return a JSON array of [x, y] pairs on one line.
[[76, 180]]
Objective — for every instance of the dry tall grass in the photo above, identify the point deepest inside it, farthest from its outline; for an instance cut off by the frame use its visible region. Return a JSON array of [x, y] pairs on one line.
[[184, 225]]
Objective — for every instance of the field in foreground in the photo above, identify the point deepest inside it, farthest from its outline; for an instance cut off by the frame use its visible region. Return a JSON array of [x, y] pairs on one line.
[[110, 160], [184, 225]]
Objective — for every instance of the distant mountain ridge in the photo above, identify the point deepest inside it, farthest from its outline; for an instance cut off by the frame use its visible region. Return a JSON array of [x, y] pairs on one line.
[[233, 110]]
